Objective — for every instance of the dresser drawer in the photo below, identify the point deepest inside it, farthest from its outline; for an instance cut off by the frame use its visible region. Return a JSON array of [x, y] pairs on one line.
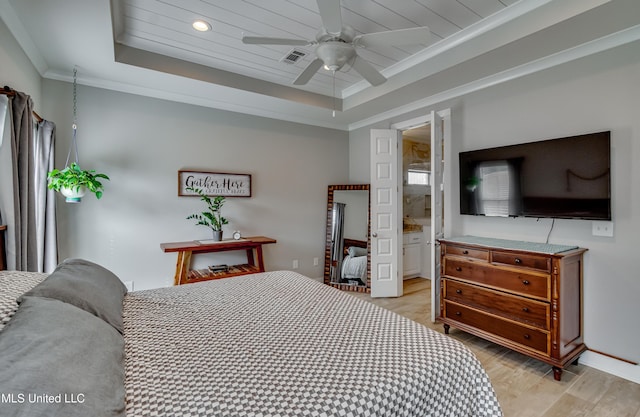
[[520, 282], [542, 263], [535, 313], [520, 334], [481, 254]]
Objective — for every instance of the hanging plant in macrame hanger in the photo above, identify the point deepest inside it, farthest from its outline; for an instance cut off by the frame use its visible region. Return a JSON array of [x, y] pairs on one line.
[[72, 181]]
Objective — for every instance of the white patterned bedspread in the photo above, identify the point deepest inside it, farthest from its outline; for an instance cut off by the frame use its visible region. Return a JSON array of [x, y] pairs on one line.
[[12, 285], [281, 344]]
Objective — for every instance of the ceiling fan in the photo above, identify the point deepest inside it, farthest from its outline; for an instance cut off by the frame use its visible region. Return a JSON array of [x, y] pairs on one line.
[[337, 42]]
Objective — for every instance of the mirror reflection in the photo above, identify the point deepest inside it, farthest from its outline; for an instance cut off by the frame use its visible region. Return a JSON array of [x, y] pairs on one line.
[[347, 246]]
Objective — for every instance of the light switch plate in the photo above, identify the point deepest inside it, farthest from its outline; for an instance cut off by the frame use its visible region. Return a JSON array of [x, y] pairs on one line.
[[602, 228]]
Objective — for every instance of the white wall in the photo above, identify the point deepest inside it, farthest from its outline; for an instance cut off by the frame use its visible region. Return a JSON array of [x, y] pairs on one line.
[[588, 96], [16, 70], [597, 93], [141, 143], [356, 220]]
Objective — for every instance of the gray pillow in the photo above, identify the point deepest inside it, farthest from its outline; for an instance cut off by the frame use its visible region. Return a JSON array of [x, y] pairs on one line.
[[58, 360], [86, 285]]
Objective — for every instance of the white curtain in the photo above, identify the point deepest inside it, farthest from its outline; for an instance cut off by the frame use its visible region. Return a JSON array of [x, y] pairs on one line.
[[337, 241], [26, 205], [45, 199], [6, 181]]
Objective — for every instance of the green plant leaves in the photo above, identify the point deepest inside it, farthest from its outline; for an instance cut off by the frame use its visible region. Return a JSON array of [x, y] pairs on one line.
[[212, 217], [73, 177]]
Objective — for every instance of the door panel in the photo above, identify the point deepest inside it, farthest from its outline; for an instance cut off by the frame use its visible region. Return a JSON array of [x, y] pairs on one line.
[[437, 229], [385, 214]]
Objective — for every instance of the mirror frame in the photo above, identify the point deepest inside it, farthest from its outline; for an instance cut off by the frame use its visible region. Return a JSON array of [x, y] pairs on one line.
[[327, 251]]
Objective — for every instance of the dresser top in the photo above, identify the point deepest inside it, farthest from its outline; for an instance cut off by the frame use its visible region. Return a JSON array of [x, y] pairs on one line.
[[547, 248]]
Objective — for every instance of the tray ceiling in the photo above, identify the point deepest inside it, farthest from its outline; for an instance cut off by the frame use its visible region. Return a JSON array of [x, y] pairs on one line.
[[149, 47]]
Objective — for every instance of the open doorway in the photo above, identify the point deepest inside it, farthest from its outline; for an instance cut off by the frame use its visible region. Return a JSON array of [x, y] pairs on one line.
[[438, 125], [387, 207], [416, 202]]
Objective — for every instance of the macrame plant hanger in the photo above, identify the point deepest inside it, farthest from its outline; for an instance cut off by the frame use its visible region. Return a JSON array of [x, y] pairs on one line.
[[72, 181], [73, 147]]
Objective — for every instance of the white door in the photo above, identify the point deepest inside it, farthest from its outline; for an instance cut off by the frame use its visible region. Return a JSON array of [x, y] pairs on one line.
[[386, 214], [437, 189]]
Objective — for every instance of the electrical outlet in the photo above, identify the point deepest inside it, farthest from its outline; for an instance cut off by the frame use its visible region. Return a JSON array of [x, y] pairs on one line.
[[602, 229], [315, 261], [129, 285], [295, 264]]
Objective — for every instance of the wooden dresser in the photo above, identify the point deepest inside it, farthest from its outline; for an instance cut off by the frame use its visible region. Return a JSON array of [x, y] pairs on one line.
[[522, 295]]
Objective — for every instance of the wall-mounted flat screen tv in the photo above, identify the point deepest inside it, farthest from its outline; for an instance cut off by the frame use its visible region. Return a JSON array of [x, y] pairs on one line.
[[567, 178]]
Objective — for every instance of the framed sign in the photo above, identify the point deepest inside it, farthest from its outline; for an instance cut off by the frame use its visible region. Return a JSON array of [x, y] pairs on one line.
[[214, 183]]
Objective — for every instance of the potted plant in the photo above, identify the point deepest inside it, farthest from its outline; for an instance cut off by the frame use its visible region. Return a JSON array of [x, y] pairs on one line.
[[210, 217], [472, 183], [73, 182]]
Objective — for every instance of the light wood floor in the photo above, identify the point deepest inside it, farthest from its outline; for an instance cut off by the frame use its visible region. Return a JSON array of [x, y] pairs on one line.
[[525, 387]]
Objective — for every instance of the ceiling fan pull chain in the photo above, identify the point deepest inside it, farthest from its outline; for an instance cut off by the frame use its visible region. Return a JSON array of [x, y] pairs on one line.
[[334, 93]]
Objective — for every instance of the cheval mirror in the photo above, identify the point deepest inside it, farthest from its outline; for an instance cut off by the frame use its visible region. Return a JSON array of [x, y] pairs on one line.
[[347, 259]]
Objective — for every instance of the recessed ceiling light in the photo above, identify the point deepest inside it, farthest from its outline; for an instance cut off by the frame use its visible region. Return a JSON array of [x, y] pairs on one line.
[[201, 25]]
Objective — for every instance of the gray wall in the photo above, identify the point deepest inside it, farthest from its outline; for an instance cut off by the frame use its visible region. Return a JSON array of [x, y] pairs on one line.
[[141, 143], [16, 70], [601, 92]]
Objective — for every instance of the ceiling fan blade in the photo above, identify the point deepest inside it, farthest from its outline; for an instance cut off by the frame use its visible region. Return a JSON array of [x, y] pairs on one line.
[[260, 40], [367, 70], [331, 15], [308, 72], [411, 36]]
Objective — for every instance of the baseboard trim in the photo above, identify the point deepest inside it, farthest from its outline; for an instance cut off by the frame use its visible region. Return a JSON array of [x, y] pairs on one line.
[[612, 366]]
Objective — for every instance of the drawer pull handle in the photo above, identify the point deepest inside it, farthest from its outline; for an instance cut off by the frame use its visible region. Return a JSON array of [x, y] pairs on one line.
[[525, 282], [526, 336], [525, 309], [465, 252], [458, 291], [458, 268], [458, 313], [518, 260]]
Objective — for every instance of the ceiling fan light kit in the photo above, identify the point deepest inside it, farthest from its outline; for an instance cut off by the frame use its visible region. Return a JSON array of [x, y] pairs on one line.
[[335, 54], [336, 44]]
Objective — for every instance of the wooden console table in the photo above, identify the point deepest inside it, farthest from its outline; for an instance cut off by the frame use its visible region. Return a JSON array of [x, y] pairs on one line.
[[184, 275]]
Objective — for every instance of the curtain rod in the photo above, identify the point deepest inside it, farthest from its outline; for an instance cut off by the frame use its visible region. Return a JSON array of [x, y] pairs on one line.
[[8, 91]]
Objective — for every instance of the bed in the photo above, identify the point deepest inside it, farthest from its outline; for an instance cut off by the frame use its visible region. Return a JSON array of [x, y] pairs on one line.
[[267, 344], [354, 265]]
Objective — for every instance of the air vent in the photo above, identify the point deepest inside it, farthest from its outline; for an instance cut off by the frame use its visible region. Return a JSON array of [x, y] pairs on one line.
[[293, 56]]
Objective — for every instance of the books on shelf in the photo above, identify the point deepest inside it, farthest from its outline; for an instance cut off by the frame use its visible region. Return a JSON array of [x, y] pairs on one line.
[[219, 268], [232, 270]]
